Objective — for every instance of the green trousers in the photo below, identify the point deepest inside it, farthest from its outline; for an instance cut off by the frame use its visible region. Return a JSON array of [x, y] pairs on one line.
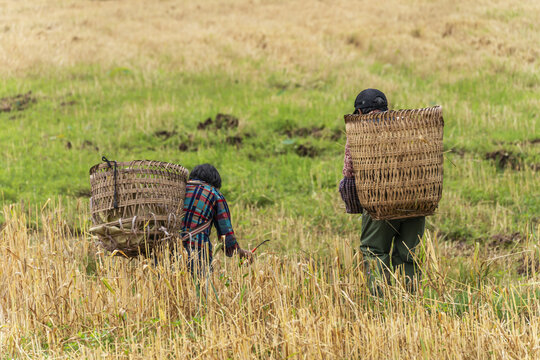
[[377, 238]]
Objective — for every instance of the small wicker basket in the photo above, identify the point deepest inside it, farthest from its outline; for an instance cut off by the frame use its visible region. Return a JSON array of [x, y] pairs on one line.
[[136, 205], [398, 161]]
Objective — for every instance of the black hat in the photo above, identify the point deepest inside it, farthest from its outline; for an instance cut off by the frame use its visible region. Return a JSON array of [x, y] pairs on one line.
[[369, 100]]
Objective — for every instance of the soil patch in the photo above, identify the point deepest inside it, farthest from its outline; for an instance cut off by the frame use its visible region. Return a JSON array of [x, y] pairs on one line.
[[226, 121], [164, 134], [315, 131], [234, 140], [17, 103], [504, 159], [528, 266], [307, 150], [87, 144], [205, 124], [184, 146], [505, 240], [222, 121], [458, 238], [336, 135], [187, 144], [458, 151]]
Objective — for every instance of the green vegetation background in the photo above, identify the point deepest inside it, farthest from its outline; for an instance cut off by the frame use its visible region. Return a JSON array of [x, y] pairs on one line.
[[286, 154]]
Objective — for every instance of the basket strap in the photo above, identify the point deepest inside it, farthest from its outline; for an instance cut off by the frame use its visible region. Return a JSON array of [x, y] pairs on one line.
[[199, 229], [115, 200]]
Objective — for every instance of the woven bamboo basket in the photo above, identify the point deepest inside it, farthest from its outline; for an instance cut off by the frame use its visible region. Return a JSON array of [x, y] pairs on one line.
[[136, 205], [398, 161]]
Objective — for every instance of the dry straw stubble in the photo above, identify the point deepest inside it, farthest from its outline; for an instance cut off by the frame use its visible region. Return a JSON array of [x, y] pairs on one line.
[[293, 306]]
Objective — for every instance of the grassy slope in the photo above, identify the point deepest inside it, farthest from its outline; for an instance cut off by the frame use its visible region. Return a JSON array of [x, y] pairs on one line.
[[50, 146]]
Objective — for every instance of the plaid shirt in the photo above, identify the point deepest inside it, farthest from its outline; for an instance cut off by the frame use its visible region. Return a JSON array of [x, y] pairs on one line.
[[205, 203], [347, 187]]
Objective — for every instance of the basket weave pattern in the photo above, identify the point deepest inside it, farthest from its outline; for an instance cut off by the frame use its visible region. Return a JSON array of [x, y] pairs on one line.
[[398, 161], [149, 198]]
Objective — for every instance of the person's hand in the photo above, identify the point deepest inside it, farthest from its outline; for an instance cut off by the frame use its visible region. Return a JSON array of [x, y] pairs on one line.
[[245, 254]]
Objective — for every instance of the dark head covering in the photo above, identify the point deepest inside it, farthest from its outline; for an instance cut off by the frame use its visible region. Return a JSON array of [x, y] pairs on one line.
[[369, 100]]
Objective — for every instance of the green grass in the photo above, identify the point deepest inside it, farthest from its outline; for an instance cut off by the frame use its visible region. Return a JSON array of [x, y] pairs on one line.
[[85, 112]]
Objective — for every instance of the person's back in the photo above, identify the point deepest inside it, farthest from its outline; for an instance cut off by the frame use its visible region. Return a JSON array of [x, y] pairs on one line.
[[385, 244], [204, 206]]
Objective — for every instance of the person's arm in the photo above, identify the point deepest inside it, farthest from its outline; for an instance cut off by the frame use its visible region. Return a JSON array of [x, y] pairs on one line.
[[222, 222], [347, 187]]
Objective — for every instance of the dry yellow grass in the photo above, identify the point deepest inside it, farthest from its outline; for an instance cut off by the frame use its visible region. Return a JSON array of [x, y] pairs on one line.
[[312, 35], [281, 306]]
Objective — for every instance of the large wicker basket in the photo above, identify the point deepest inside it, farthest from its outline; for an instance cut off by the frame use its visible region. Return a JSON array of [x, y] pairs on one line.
[[136, 205], [398, 161]]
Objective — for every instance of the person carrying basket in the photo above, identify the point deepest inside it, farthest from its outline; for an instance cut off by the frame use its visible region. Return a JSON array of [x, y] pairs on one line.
[[205, 206], [380, 255]]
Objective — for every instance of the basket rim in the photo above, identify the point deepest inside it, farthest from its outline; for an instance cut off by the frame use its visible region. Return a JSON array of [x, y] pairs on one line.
[[165, 164], [364, 117]]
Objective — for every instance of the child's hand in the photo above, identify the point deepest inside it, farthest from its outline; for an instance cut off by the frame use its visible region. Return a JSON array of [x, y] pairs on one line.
[[245, 254]]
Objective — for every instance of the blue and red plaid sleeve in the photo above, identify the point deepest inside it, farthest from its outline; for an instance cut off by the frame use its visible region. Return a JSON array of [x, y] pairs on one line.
[[222, 222]]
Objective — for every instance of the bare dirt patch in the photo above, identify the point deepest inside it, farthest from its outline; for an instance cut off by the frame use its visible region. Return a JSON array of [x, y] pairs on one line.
[[528, 266], [314, 131], [234, 140], [17, 103], [337, 134], [458, 151], [505, 240], [226, 121], [188, 144], [253, 157], [307, 150], [222, 121], [187, 147], [505, 159], [164, 134], [87, 144], [205, 124]]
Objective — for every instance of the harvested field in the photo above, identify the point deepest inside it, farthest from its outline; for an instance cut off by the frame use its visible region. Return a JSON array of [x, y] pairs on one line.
[[259, 89]]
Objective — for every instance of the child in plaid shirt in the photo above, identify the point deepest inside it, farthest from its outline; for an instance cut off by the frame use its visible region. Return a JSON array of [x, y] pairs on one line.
[[204, 204]]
